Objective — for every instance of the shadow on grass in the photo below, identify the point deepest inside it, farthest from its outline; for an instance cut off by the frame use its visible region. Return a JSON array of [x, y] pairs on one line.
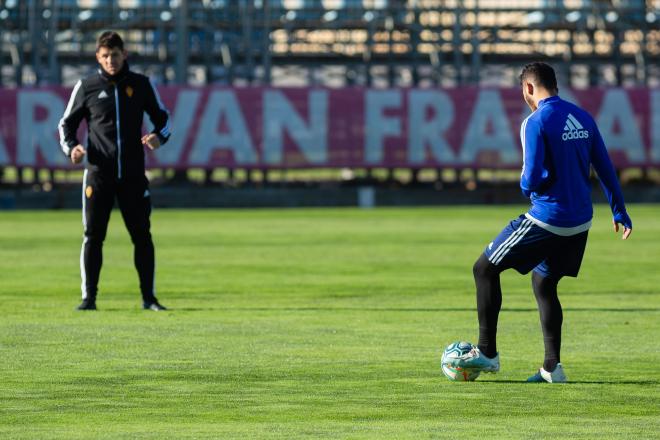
[[128, 309], [580, 382], [399, 309]]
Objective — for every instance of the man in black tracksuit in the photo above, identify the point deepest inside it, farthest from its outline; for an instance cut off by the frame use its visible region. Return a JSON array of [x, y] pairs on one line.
[[113, 102]]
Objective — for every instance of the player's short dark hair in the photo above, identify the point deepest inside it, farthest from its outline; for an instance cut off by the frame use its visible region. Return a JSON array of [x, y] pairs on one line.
[[110, 39], [540, 73]]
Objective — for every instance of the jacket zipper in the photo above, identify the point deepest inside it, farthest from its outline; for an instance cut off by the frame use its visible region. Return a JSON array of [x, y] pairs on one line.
[[118, 132]]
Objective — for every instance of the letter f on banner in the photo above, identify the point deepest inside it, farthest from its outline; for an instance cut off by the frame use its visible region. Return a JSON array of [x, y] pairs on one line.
[[378, 125]]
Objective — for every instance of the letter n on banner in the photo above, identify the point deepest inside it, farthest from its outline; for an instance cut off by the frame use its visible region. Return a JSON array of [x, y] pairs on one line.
[[280, 116]]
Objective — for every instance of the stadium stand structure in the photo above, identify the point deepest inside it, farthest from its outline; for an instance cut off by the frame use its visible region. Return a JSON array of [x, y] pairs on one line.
[[333, 43], [337, 42]]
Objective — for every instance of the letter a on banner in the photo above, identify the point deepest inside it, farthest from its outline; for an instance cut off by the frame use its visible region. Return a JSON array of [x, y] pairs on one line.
[[616, 109], [223, 103], [489, 110], [181, 122]]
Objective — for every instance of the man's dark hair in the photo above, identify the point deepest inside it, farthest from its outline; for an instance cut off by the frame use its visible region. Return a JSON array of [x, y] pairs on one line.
[[540, 73], [110, 39]]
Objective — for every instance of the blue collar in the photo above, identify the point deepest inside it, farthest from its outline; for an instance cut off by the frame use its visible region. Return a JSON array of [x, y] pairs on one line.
[[545, 101]]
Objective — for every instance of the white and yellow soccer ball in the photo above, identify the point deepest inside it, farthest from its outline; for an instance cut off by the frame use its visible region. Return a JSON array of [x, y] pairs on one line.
[[457, 374]]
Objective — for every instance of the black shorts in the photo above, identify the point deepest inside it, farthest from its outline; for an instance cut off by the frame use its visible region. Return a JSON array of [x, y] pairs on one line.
[[524, 246]]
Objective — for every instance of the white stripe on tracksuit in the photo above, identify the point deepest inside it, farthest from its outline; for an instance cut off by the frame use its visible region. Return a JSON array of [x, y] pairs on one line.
[[60, 125], [165, 131], [83, 274], [523, 126], [504, 248]]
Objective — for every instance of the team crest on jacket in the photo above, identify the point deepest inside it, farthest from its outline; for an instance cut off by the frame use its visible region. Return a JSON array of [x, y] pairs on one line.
[[129, 91], [88, 191]]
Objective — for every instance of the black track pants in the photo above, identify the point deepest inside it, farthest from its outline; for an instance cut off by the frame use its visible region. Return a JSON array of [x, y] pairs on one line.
[[133, 196]]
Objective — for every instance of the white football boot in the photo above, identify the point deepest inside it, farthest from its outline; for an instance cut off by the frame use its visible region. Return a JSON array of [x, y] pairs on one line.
[[556, 376], [476, 360]]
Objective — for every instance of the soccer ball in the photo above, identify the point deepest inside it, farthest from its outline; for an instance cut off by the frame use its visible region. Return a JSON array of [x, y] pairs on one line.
[[453, 351]]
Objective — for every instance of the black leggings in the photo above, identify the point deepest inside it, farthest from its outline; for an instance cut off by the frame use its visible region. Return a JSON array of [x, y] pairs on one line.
[[489, 303]]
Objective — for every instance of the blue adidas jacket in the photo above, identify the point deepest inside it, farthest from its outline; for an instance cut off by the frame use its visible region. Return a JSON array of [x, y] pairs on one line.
[[560, 143]]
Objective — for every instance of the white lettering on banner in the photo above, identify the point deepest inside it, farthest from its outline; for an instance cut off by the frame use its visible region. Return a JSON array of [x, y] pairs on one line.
[[616, 110], [280, 115], [237, 138], [181, 122], [4, 157], [654, 119], [34, 136], [489, 111], [422, 132], [379, 126]]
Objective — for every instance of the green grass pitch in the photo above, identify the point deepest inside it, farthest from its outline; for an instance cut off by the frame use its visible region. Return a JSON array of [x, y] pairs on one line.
[[316, 324]]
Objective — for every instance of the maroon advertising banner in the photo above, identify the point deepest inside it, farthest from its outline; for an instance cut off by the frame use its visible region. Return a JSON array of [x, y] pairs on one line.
[[350, 127]]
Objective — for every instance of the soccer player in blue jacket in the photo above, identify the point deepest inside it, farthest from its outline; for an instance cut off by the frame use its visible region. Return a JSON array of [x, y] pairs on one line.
[[561, 143]]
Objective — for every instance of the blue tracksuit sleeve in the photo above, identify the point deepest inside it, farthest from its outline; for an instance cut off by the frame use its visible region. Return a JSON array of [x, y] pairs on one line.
[[608, 180], [534, 175]]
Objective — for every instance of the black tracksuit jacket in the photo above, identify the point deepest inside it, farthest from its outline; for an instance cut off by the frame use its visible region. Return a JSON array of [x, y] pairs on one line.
[[113, 107]]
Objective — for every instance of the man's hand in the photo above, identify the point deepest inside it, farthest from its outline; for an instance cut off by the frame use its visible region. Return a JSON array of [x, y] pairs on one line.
[[77, 154], [151, 141], [626, 230]]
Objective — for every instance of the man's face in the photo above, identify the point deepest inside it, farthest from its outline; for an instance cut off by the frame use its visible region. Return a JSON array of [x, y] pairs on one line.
[[111, 60]]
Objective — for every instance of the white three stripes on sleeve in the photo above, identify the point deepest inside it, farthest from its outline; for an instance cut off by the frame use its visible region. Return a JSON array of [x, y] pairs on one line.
[[166, 130], [523, 126], [60, 126]]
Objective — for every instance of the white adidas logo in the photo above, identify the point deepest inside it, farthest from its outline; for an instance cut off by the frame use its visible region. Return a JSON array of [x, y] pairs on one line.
[[103, 94], [573, 129]]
